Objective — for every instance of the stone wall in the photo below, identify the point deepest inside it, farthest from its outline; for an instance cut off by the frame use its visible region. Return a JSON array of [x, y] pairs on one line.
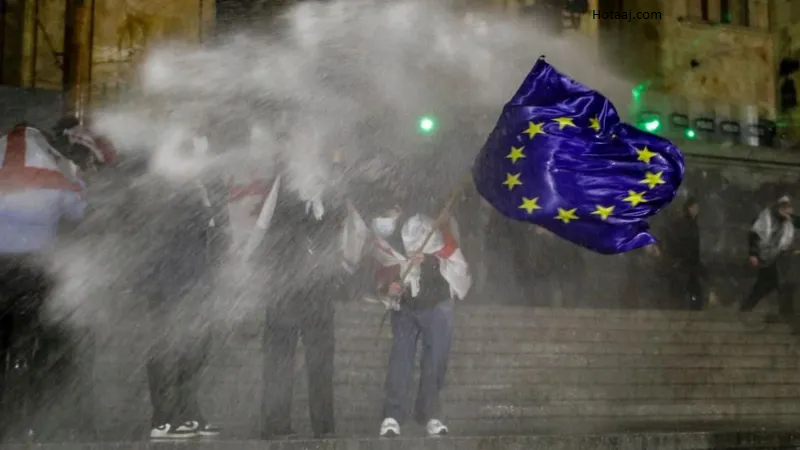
[[734, 65], [123, 30]]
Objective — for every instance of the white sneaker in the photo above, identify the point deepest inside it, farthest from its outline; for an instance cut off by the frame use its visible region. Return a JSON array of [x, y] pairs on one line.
[[167, 431], [436, 428], [390, 428]]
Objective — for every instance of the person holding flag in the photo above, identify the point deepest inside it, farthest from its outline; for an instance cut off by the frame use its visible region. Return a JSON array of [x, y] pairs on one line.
[[420, 271], [38, 188], [560, 157]]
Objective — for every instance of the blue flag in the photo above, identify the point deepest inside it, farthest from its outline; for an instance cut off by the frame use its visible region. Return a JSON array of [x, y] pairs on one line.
[[559, 157]]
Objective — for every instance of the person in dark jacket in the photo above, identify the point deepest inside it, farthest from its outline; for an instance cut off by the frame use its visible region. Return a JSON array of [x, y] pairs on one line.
[[770, 240], [174, 226], [682, 256], [302, 251]]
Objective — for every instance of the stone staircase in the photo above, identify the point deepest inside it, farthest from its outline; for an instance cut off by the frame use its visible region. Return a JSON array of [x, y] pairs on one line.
[[627, 441], [513, 371]]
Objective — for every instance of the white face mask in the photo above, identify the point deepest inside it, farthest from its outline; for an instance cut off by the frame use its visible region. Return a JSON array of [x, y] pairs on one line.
[[384, 226]]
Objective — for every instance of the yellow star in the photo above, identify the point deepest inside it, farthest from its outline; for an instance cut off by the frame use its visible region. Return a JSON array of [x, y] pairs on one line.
[[564, 122], [512, 180], [566, 215], [634, 198], [603, 211], [652, 179], [515, 154], [534, 129], [595, 123], [645, 155], [530, 204]]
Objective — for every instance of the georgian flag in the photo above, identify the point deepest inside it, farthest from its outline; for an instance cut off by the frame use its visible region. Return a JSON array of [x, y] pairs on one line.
[[251, 206], [444, 244], [30, 162]]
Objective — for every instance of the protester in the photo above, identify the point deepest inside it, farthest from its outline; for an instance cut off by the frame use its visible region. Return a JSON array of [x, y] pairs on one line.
[[682, 256], [38, 188], [168, 224], [770, 241], [421, 304], [303, 249]]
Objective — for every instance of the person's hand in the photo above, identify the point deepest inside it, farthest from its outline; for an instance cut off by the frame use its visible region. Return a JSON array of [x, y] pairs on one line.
[[416, 258], [395, 289], [754, 261], [653, 250]]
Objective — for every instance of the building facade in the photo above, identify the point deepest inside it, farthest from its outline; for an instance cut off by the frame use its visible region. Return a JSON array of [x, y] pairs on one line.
[[711, 70], [52, 44]]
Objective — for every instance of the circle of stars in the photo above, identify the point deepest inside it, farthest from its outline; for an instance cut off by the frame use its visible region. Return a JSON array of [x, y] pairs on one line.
[[567, 215]]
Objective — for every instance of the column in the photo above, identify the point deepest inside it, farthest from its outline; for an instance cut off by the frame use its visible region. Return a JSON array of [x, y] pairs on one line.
[[29, 43], [78, 34]]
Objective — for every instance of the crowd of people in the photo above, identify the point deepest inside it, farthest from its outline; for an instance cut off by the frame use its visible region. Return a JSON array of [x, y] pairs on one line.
[[411, 254], [316, 245]]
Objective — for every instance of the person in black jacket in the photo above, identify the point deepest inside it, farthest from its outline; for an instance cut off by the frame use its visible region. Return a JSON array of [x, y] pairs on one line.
[[682, 256], [172, 228], [770, 241], [303, 255]]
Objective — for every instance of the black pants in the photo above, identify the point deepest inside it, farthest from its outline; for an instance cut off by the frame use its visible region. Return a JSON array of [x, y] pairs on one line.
[[686, 288], [313, 321], [176, 360], [35, 358], [694, 292], [767, 281]]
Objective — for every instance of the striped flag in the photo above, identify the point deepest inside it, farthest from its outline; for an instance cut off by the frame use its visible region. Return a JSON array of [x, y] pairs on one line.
[[30, 162]]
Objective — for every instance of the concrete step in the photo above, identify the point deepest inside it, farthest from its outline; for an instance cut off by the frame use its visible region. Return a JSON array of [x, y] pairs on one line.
[[574, 335], [502, 402], [528, 318], [516, 320], [465, 374], [378, 359], [609, 410], [553, 393], [473, 336], [652, 441], [464, 347]]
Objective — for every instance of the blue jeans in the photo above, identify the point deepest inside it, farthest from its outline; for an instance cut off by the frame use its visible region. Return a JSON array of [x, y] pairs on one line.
[[435, 325]]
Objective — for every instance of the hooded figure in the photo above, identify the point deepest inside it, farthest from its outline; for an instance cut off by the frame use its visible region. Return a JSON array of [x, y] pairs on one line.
[[771, 238], [682, 256]]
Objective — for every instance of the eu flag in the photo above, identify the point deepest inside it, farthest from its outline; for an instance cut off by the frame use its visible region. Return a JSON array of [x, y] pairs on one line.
[[559, 157]]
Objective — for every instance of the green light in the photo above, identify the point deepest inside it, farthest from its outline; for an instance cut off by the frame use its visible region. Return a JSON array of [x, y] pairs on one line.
[[427, 124], [637, 91], [689, 133], [652, 125]]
